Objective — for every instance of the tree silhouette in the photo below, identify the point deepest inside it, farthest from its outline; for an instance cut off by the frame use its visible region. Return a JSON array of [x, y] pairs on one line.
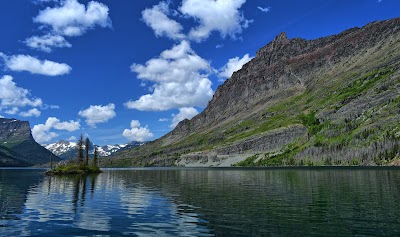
[[87, 144], [95, 156], [80, 149]]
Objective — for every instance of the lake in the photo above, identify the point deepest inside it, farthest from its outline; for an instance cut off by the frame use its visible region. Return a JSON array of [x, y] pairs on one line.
[[202, 202]]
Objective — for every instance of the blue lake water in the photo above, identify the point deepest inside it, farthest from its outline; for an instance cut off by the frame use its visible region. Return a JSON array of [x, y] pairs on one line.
[[202, 202]]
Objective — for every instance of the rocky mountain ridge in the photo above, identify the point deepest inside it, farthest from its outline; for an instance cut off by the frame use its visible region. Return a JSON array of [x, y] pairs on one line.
[[17, 146], [68, 149], [332, 100]]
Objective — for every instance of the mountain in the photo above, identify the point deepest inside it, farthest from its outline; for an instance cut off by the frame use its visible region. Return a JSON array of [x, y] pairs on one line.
[[68, 150], [9, 158], [111, 150], [17, 146], [108, 150], [332, 100], [63, 149]]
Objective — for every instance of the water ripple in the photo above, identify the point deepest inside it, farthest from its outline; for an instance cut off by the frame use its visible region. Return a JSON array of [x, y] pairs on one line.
[[201, 202]]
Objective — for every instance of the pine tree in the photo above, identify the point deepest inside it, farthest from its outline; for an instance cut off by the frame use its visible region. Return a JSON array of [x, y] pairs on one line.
[[87, 144], [95, 157], [80, 149]]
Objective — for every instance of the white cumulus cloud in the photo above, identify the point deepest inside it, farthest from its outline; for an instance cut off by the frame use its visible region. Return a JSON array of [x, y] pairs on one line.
[[35, 66], [233, 65], [137, 132], [12, 111], [31, 113], [222, 16], [13, 96], [157, 19], [42, 132], [98, 114], [47, 42], [72, 18], [184, 113], [180, 78]]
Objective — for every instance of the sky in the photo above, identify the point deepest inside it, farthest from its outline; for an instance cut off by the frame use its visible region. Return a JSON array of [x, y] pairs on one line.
[[121, 71]]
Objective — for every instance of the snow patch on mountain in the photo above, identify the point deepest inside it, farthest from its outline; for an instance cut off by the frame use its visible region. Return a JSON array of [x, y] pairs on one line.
[[66, 149]]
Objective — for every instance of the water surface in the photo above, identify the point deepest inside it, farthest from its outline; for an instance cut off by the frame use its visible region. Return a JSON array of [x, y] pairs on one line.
[[202, 202]]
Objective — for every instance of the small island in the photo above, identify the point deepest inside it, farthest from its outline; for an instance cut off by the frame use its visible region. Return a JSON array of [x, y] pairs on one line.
[[80, 165]]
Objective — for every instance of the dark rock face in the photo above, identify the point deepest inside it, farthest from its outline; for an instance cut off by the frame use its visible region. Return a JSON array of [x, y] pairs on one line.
[[16, 136], [14, 130], [351, 81]]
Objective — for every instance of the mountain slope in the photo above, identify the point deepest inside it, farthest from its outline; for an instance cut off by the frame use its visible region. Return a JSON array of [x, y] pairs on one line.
[[9, 158], [16, 136], [333, 100]]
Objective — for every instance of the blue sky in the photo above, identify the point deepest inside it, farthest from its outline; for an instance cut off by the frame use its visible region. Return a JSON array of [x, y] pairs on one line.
[[119, 71]]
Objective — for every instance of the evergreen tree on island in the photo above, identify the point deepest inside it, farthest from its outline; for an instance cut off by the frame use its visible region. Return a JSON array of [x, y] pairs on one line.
[[95, 156], [87, 144], [80, 150]]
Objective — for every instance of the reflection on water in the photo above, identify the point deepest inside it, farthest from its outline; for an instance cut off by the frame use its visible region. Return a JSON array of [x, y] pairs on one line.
[[103, 204], [202, 202]]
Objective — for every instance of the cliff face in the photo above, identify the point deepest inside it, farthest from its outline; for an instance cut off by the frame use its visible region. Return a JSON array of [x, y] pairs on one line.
[[333, 99], [18, 146], [285, 67], [12, 130]]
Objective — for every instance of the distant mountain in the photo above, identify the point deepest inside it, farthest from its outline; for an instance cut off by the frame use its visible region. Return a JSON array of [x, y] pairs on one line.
[[63, 149], [17, 146], [68, 150], [328, 101]]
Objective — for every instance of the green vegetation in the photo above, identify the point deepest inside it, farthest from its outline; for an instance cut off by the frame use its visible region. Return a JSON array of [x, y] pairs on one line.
[[284, 158], [309, 120], [250, 162], [78, 166], [373, 132], [74, 168]]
